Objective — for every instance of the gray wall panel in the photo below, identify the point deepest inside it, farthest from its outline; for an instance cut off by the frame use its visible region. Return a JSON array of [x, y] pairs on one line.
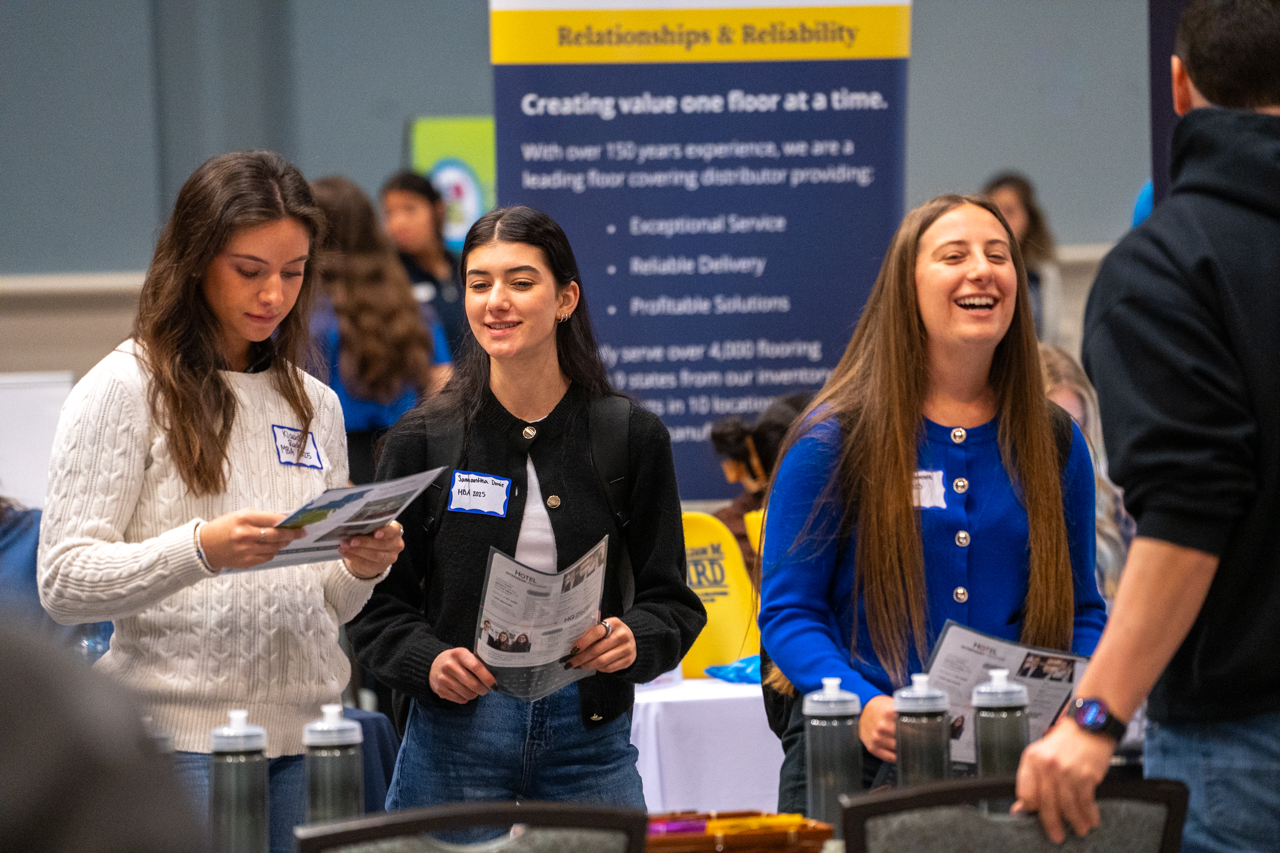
[[1055, 89], [78, 172]]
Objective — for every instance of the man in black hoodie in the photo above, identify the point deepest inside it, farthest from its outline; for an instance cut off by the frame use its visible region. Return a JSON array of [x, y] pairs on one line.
[[1182, 340]]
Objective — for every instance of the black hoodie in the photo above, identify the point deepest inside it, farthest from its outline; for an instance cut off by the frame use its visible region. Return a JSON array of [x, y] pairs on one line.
[[1182, 340]]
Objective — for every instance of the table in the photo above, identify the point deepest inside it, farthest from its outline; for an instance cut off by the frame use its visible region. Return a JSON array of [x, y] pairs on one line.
[[705, 745]]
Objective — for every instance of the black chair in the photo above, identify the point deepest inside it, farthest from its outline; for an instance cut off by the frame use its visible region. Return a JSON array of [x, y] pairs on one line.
[[948, 817], [509, 827]]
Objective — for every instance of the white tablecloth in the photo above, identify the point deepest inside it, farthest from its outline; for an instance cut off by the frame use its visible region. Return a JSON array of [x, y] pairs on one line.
[[705, 745]]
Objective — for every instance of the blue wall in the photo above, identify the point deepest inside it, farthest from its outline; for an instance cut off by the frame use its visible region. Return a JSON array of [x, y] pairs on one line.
[[105, 107]]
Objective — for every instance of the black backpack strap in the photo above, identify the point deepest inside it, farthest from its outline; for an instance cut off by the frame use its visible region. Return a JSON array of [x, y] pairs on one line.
[[609, 424], [1062, 433]]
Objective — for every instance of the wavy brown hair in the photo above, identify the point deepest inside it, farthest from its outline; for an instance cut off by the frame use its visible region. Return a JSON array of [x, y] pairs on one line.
[[383, 347], [177, 330], [877, 393]]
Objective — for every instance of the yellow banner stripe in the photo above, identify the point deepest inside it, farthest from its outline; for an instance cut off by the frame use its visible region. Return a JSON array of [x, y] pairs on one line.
[[699, 35]]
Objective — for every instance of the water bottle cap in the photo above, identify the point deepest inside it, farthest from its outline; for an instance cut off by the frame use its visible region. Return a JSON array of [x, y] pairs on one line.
[[1000, 692], [920, 698], [332, 730], [238, 736], [831, 701]]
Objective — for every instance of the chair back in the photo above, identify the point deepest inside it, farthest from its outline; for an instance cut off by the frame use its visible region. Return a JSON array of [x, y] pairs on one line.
[[754, 522], [489, 827], [718, 575], [1138, 816]]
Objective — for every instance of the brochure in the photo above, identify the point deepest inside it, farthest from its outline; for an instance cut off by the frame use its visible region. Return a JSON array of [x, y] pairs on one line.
[[530, 619], [962, 659], [337, 514]]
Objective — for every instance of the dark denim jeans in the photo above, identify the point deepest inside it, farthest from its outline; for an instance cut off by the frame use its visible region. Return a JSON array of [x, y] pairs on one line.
[[515, 750], [1233, 771]]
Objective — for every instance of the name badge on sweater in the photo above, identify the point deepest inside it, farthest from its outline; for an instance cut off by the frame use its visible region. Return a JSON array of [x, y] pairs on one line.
[[927, 491], [290, 440], [480, 493]]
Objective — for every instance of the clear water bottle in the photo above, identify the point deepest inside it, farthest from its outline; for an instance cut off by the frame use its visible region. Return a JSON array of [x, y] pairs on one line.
[[335, 766], [832, 750], [1001, 728], [238, 787], [923, 732]]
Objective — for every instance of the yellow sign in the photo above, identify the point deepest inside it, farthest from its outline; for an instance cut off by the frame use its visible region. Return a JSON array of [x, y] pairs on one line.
[[719, 577], [542, 37]]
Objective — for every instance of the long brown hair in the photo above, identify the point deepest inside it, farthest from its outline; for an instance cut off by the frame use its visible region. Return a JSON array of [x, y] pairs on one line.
[[176, 328], [877, 393], [383, 347]]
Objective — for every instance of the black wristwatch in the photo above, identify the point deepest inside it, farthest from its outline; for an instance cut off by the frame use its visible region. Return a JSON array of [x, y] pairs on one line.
[[1094, 716]]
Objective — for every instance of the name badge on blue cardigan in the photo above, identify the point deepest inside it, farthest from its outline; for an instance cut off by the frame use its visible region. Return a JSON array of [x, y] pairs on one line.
[[482, 493], [928, 491]]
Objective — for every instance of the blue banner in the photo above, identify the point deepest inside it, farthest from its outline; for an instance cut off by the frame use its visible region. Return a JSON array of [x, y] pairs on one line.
[[729, 217]]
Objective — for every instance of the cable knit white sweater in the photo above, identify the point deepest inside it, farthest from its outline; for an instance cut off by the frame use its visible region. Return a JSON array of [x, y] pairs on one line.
[[117, 543]]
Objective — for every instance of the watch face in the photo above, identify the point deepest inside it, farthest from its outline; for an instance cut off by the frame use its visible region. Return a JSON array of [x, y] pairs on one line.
[[1091, 714]]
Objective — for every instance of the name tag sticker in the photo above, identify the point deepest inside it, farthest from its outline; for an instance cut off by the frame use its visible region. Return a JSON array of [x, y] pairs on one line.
[[927, 491], [288, 441], [472, 492]]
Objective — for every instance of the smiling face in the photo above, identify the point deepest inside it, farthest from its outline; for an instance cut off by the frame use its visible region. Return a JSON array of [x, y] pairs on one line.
[[513, 303], [966, 282], [253, 283]]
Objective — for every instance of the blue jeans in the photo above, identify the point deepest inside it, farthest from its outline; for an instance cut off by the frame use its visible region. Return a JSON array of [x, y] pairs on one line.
[[1233, 772], [286, 793], [515, 750]]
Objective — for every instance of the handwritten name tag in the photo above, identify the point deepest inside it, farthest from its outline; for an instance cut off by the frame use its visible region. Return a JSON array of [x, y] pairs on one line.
[[288, 442], [927, 491], [472, 492]]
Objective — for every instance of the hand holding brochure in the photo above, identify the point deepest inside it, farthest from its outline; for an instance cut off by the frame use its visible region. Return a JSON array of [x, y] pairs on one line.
[[337, 514], [530, 619], [961, 660]]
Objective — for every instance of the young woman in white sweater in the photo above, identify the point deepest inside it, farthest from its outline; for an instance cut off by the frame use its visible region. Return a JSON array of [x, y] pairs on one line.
[[177, 454]]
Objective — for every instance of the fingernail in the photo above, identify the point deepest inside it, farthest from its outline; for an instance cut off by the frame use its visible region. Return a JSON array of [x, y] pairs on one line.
[[568, 665], [573, 651]]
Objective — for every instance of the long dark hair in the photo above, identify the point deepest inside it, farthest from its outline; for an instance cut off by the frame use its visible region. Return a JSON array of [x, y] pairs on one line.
[[877, 392], [576, 347], [383, 348], [177, 329]]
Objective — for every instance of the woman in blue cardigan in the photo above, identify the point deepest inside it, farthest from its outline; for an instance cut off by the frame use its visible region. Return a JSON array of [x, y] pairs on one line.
[[924, 483]]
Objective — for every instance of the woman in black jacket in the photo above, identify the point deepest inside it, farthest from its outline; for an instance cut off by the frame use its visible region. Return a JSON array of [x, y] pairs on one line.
[[519, 406]]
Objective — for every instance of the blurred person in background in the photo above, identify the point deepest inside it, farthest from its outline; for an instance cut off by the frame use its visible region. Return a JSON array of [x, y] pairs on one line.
[[20, 589], [414, 214], [1014, 194], [374, 338], [79, 770], [1066, 384], [747, 455]]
